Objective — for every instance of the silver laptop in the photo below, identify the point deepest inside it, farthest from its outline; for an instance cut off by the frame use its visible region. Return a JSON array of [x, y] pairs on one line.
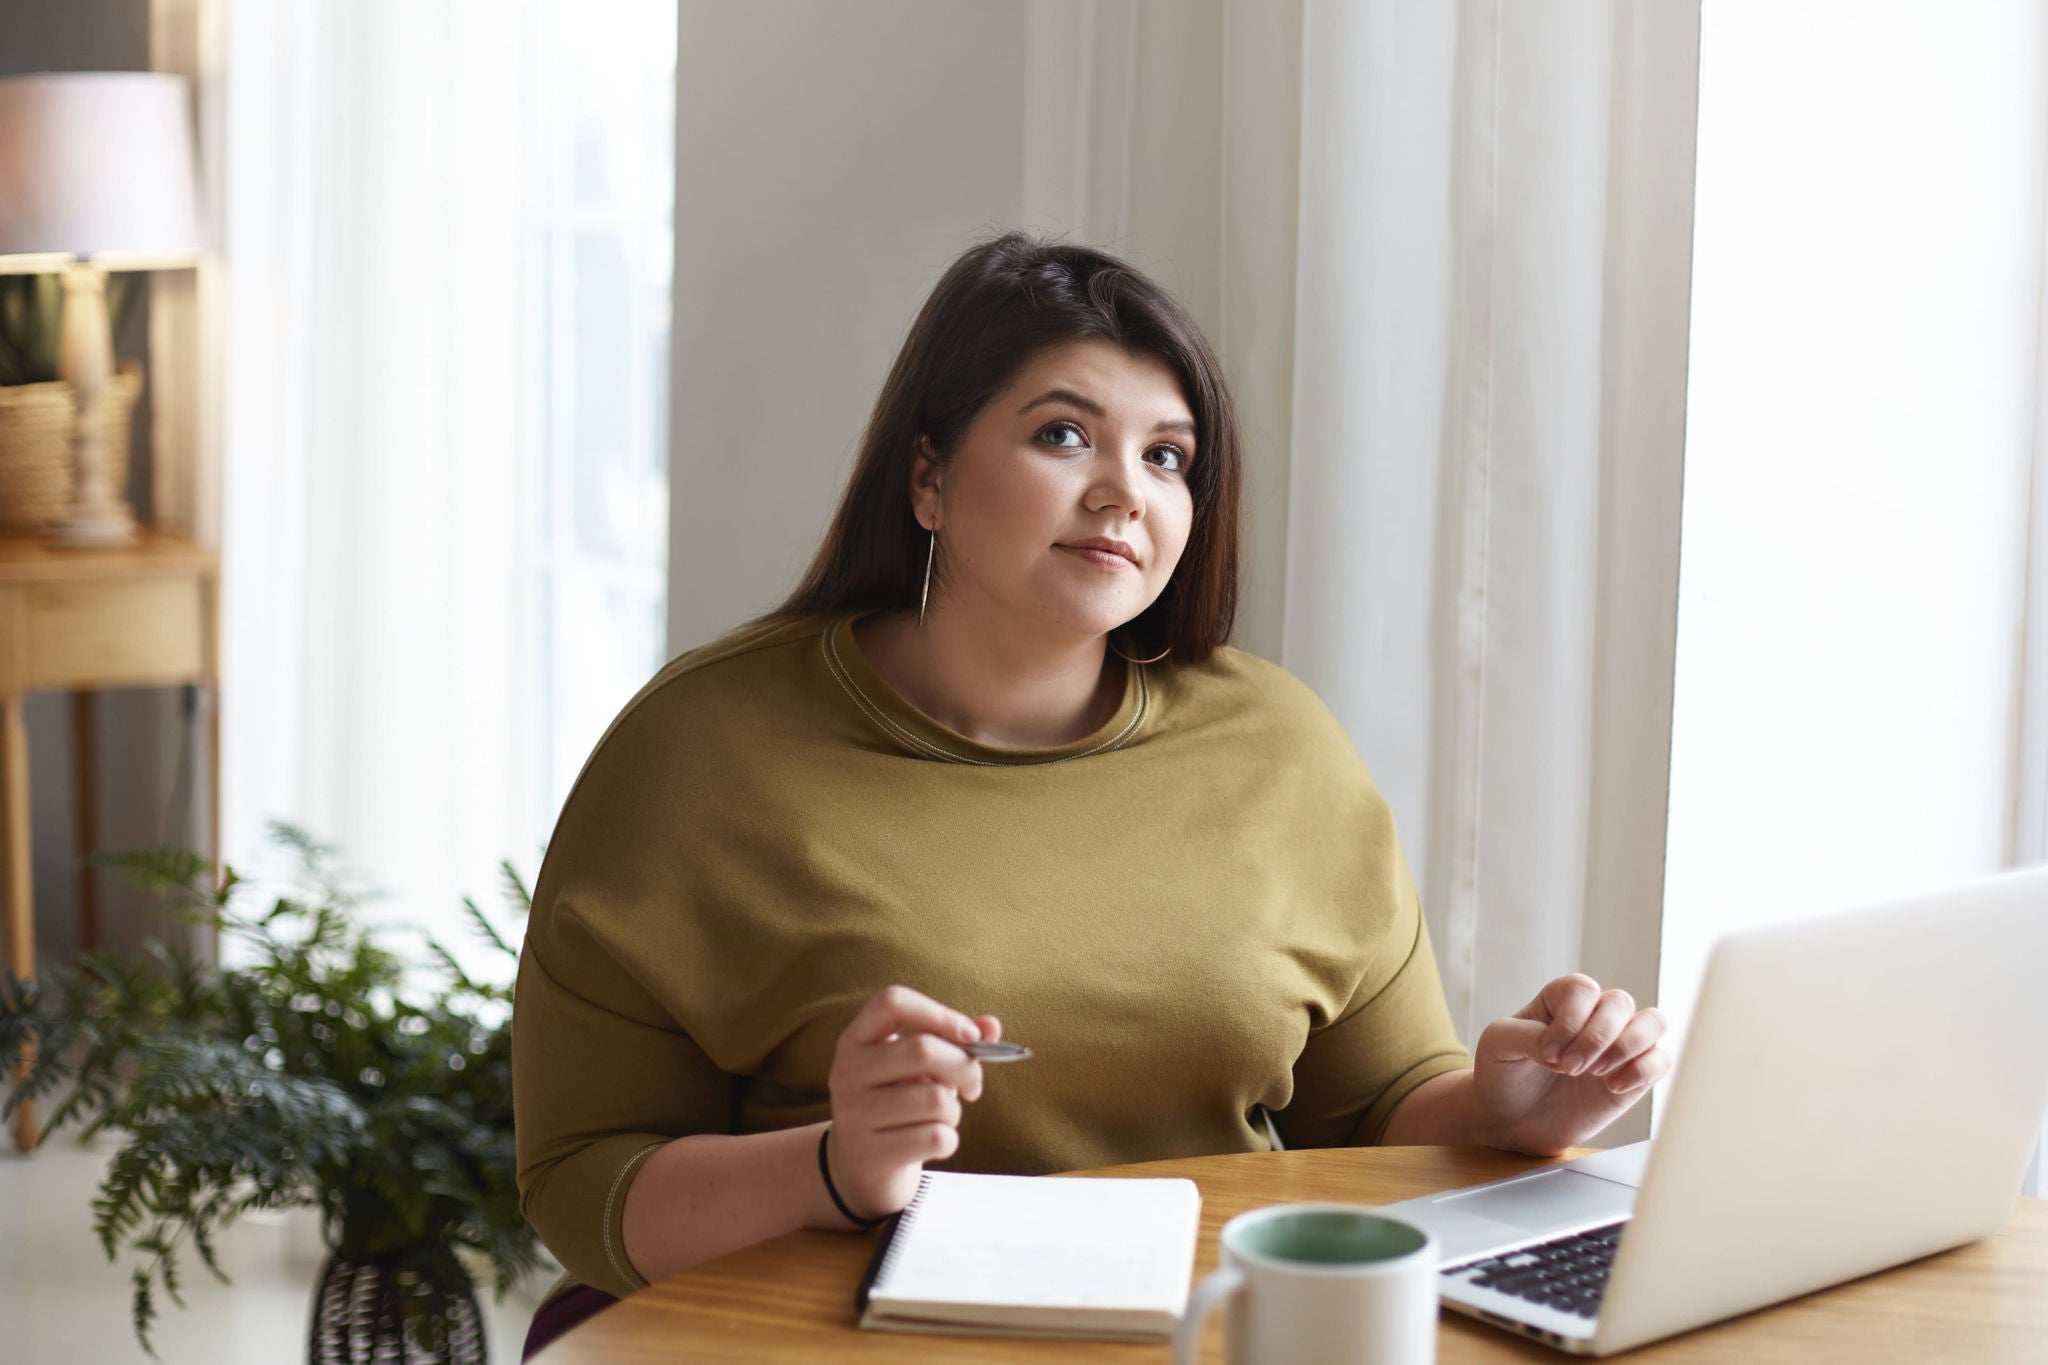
[[1856, 1090]]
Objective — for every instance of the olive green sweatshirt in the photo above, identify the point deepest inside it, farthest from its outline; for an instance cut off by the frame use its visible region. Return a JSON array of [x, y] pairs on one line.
[[1196, 912]]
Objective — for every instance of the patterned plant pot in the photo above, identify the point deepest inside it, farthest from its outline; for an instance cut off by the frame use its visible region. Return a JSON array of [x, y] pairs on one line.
[[413, 1306]]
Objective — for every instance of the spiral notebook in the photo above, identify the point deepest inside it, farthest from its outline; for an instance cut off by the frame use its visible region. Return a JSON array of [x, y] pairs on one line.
[[1019, 1255]]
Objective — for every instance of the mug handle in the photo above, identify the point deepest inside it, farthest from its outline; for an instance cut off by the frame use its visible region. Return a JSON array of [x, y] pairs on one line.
[[1187, 1333]]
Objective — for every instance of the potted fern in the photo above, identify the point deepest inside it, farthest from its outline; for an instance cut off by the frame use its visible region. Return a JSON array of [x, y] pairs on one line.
[[313, 1076]]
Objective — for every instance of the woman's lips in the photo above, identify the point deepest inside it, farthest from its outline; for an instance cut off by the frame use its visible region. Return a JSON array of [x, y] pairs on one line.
[[1101, 557]]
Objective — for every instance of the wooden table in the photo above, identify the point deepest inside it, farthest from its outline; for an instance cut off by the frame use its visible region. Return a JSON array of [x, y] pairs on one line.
[[791, 1298], [136, 615]]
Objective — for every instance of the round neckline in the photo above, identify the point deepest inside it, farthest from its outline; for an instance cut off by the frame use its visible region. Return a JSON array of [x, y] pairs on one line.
[[916, 732]]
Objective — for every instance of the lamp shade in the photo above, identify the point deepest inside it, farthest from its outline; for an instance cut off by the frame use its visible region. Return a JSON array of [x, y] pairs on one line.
[[97, 165]]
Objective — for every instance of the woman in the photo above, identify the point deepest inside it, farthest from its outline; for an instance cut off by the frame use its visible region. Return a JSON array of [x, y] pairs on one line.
[[993, 763]]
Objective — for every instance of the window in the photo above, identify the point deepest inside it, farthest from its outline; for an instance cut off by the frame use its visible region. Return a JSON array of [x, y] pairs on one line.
[[604, 110], [445, 432], [1863, 380]]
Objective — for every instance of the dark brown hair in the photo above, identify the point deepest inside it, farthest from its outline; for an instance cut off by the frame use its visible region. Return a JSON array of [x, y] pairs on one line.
[[998, 305]]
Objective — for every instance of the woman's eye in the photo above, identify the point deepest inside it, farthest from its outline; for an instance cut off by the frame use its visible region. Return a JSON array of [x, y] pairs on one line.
[[1180, 460]]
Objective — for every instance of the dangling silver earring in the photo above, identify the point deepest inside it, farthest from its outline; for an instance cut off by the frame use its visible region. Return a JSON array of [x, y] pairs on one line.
[[933, 550]]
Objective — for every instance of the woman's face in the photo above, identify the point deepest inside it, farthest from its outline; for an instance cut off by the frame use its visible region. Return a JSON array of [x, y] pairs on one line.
[[1089, 441]]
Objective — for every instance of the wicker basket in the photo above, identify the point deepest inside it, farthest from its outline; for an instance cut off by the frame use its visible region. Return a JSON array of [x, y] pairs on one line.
[[35, 445]]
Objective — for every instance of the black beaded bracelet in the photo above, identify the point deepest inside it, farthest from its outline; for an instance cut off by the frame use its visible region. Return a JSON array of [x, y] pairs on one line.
[[825, 1169]]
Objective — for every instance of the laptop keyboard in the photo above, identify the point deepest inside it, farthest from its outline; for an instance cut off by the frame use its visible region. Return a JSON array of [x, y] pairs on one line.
[[1568, 1274]]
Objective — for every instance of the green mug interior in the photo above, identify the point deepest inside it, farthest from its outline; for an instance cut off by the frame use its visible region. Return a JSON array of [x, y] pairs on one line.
[[1329, 1237]]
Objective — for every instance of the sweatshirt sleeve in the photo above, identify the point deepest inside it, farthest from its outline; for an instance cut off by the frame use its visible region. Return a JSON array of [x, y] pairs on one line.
[[1394, 1034], [601, 1078]]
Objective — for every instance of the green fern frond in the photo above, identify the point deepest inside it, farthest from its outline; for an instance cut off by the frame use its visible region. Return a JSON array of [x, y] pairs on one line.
[[143, 1311], [517, 894], [156, 869], [311, 851], [169, 1269], [451, 966], [202, 1242], [484, 929]]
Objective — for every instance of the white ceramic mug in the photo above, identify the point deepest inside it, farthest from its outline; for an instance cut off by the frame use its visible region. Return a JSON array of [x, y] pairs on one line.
[[1319, 1284]]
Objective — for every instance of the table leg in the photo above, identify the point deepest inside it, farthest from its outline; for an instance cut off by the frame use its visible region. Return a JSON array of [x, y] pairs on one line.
[[213, 833], [18, 892], [85, 769]]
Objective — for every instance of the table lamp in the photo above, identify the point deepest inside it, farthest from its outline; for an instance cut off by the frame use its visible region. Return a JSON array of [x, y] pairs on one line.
[[96, 174]]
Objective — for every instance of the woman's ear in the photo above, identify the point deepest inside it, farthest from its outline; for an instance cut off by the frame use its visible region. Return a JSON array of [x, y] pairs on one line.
[[924, 483]]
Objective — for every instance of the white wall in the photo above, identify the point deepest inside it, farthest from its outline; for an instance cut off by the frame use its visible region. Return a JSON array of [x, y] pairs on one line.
[[1865, 359], [806, 243], [830, 160]]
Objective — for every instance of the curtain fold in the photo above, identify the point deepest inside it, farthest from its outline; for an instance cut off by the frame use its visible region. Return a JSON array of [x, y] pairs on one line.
[[372, 445], [1449, 282], [1486, 457]]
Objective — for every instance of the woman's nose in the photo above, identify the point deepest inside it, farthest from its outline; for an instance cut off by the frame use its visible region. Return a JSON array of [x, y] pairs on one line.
[[1120, 482]]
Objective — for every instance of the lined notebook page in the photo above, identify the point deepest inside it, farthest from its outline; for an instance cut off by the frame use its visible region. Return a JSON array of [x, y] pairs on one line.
[[1043, 1241]]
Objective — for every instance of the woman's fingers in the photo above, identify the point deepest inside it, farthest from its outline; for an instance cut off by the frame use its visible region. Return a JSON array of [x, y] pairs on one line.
[[1611, 1012], [1638, 1036], [902, 1036], [899, 1009], [1644, 1070], [909, 1104], [914, 1056], [1512, 1039], [899, 1077], [918, 1142], [1565, 1005], [1588, 1031]]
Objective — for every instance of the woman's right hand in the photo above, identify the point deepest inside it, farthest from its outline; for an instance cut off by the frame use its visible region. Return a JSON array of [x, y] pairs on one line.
[[898, 1078]]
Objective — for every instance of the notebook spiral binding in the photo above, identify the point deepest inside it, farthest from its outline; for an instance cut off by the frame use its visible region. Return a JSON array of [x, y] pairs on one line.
[[896, 1225]]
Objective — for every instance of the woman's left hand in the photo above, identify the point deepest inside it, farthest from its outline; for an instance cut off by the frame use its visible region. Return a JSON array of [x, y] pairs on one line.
[[1566, 1065]]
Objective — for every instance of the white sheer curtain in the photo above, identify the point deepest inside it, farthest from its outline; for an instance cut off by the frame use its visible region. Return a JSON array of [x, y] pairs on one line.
[[1486, 454], [448, 243], [374, 410], [1457, 334]]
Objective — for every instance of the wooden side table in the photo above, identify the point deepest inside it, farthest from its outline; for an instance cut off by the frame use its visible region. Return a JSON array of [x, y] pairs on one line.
[[137, 615]]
